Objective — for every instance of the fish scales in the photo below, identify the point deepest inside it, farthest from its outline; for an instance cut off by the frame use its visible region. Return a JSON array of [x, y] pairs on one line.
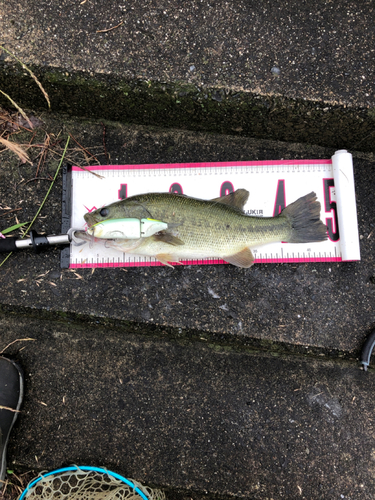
[[211, 228], [212, 224]]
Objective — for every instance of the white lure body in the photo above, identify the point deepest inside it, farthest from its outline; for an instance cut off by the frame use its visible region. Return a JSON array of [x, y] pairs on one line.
[[129, 229]]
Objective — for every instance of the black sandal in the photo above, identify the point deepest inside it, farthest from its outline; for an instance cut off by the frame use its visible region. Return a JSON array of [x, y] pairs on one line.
[[11, 395]]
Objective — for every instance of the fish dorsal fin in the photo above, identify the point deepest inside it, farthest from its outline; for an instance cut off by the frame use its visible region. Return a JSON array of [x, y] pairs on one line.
[[243, 258], [166, 237], [236, 199]]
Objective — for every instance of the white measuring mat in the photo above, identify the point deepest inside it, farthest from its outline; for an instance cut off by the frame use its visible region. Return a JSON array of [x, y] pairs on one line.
[[272, 186]]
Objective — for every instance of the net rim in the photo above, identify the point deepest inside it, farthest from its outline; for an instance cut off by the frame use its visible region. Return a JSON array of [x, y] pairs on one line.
[[87, 468]]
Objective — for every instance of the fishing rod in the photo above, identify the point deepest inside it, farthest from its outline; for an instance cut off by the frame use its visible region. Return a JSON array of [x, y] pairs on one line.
[[129, 229], [38, 242]]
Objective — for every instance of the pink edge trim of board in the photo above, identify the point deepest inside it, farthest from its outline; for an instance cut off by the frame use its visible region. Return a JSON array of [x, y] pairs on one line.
[[203, 165], [203, 262]]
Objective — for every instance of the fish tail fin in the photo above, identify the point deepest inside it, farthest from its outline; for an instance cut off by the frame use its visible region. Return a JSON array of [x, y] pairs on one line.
[[304, 217]]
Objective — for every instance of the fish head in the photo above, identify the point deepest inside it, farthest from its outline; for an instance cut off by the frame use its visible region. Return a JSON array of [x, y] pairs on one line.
[[124, 209], [101, 214]]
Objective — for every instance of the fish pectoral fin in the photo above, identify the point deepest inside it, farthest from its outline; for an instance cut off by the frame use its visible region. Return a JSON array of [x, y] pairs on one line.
[[236, 199], [165, 258], [244, 258], [165, 237]]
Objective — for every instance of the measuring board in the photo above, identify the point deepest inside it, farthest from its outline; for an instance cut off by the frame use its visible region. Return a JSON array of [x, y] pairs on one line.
[[272, 186]]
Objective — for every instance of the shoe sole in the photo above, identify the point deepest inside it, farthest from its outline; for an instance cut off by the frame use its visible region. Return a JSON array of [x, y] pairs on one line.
[[20, 398]]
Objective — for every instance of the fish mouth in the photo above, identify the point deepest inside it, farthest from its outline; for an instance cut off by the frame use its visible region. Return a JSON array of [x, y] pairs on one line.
[[90, 221]]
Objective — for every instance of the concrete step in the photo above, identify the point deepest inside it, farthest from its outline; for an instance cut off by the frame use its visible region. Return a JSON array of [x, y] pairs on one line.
[[205, 381], [321, 308], [271, 70], [194, 420]]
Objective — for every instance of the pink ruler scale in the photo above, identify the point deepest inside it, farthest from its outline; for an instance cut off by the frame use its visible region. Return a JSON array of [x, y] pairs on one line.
[[272, 185]]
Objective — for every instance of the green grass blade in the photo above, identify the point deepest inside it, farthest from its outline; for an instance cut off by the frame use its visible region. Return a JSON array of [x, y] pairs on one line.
[[13, 228]]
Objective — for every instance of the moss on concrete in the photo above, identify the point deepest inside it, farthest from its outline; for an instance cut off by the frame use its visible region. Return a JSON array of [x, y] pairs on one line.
[[218, 342], [184, 105]]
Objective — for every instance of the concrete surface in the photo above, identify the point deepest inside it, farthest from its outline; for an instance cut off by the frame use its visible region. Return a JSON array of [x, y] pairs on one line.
[[145, 371], [194, 420], [209, 381], [281, 70], [321, 51], [327, 307]]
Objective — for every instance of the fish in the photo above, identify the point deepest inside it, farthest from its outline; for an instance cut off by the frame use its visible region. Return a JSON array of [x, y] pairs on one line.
[[204, 229]]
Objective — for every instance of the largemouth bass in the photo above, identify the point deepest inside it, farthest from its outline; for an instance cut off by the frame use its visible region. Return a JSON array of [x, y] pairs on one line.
[[218, 228]]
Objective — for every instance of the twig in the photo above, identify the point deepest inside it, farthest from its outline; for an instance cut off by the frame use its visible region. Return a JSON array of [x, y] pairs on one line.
[[9, 409], [31, 73], [43, 154], [18, 108], [84, 149], [38, 179], [9, 212], [14, 341], [17, 125], [110, 29], [104, 146], [90, 172], [41, 206], [31, 140]]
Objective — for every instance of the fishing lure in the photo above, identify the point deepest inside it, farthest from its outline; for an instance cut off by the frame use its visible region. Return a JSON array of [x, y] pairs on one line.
[[129, 229]]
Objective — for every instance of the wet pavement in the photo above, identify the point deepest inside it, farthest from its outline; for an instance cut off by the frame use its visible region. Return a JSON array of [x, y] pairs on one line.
[[205, 381], [324, 307], [273, 70], [315, 53], [144, 371], [195, 420]]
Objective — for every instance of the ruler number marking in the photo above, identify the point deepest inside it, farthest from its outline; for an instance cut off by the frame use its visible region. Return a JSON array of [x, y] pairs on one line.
[[176, 188], [330, 207], [123, 192], [226, 188], [279, 198]]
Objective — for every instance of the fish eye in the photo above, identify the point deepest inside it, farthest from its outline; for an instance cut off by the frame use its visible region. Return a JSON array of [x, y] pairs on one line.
[[104, 212]]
